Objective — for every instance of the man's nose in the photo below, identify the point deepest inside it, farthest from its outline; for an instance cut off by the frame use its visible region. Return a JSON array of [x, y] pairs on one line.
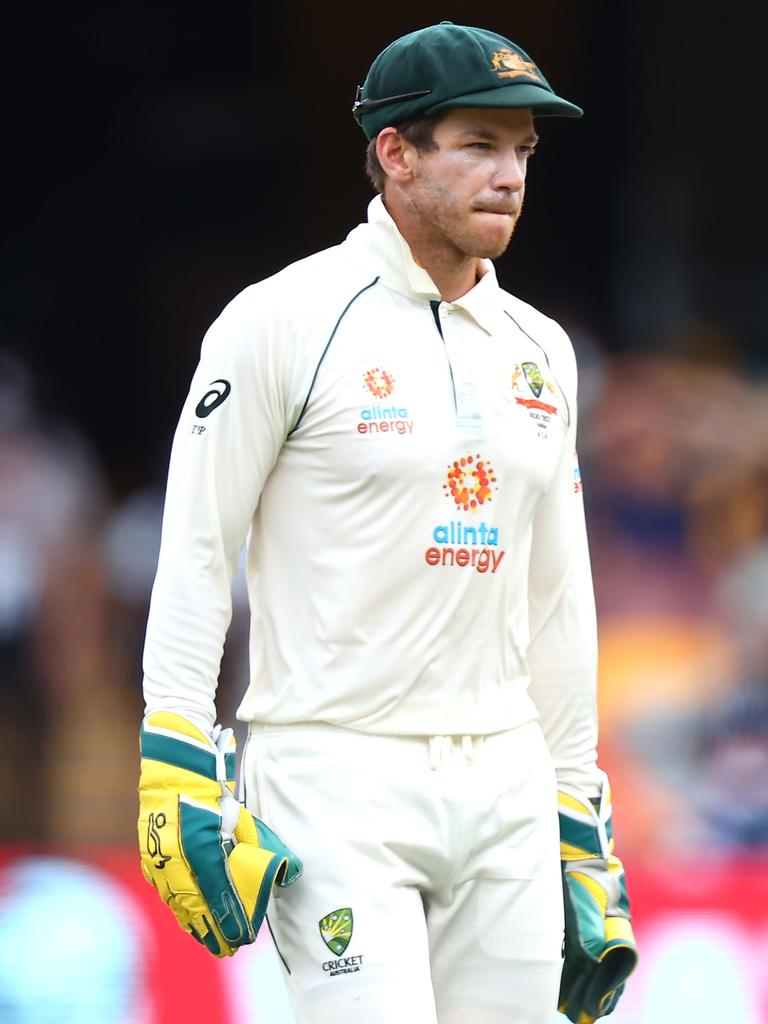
[[510, 173]]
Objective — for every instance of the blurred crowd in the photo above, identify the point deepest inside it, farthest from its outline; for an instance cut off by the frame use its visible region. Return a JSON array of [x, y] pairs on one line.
[[76, 571], [674, 454], [674, 458]]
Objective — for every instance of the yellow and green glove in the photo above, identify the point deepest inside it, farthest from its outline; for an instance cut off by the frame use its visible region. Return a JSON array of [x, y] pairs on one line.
[[211, 861], [600, 950]]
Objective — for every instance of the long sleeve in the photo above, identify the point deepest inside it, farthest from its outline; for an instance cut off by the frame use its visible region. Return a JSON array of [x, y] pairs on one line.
[[232, 426], [562, 654]]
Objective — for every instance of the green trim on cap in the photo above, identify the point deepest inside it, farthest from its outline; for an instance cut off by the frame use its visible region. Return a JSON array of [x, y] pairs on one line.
[[540, 101]]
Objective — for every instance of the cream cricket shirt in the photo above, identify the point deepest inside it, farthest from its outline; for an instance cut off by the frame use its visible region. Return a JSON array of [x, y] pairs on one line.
[[403, 471]]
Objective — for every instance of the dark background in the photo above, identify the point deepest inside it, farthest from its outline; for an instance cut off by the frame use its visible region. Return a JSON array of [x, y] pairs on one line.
[[162, 155]]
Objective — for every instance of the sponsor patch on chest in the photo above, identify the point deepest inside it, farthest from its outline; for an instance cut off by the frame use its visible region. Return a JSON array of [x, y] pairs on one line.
[[470, 485], [392, 420]]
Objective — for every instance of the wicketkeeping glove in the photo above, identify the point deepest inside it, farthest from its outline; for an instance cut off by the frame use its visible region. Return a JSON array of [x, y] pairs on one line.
[[211, 861], [600, 951]]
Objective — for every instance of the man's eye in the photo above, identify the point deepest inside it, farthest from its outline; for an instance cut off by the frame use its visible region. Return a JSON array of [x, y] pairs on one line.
[[479, 145], [526, 151]]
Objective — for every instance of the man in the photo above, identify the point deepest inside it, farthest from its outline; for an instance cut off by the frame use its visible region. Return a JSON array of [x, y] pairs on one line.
[[395, 436]]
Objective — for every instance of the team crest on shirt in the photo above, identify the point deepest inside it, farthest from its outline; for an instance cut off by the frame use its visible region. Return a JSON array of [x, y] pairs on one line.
[[336, 932], [539, 411], [534, 377], [381, 417]]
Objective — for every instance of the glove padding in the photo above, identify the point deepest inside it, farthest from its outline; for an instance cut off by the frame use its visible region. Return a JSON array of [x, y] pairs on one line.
[[600, 950], [211, 861]]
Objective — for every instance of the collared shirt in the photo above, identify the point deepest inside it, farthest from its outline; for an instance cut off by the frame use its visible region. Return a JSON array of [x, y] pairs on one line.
[[402, 470]]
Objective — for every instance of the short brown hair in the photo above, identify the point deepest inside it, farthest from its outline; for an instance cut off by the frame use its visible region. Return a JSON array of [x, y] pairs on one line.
[[420, 135]]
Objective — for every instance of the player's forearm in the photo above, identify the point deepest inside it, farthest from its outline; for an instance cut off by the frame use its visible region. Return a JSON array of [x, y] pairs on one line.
[[562, 653], [562, 660], [191, 606], [565, 698], [182, 654]]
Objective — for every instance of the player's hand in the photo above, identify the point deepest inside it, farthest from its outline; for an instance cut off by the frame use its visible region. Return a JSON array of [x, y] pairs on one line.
[[211, 861], [600, 950]]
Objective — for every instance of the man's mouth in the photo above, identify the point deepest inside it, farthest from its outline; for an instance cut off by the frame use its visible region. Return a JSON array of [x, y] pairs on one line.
[[501, 211]]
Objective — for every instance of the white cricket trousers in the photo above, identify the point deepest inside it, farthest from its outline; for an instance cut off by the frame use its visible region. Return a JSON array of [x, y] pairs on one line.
[[431, 890]]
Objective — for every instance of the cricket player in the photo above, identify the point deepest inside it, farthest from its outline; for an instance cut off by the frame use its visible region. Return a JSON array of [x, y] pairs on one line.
[[393, 437]]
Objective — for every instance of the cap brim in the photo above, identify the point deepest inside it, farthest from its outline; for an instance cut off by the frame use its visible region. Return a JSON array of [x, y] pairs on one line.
[[516, 96]]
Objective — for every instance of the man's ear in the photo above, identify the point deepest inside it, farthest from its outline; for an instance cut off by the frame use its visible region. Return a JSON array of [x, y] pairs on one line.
[[396, 155]]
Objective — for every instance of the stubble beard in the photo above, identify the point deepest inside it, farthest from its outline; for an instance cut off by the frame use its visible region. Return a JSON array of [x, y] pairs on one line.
[[450, 230], [479, 243], [492, 252]]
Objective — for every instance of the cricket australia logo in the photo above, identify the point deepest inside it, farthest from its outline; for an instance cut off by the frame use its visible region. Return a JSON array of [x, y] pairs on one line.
[[539, 411], [336, 929], [534, 377], [336, 932]]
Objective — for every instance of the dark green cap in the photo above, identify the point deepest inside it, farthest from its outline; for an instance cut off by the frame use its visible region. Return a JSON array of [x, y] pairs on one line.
[[447, 66]]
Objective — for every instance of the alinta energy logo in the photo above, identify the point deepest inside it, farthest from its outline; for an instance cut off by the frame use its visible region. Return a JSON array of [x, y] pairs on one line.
[[470, 480], [470, 484], [336, 932], [383, 419], [380, 383]]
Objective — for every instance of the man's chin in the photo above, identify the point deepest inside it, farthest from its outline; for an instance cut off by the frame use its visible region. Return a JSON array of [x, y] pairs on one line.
[[499, 250], [492, 244], [492, 249]]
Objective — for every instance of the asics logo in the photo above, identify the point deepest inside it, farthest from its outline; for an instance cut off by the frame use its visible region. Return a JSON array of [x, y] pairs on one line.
[[212, 399]]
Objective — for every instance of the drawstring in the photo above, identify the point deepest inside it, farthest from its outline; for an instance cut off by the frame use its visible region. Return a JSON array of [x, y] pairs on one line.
[[468, 749], [440, 749], [439, 746]]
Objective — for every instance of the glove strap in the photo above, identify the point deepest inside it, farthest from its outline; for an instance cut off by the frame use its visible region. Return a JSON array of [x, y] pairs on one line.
[[167, 737], [586, 826]]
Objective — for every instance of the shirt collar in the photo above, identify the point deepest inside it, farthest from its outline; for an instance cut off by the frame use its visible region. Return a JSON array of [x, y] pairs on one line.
[[399, 271]]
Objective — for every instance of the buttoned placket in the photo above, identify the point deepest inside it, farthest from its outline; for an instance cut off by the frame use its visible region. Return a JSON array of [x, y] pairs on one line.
[[469, 417]]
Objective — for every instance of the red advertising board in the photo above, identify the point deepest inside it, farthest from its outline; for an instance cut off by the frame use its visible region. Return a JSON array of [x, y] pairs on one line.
[[83, 934]]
